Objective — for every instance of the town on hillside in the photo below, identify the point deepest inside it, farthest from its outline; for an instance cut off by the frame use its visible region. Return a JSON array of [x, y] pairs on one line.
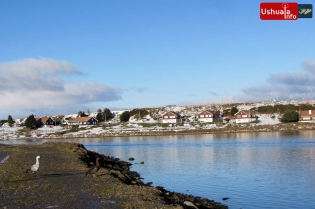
[[171, 117]]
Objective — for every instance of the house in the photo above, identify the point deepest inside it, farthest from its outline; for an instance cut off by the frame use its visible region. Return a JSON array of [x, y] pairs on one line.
[[244, 116], [171, 117], [82, 121], [205, 116], [44, 121], [186, 118], [230, 119], [307, 116]]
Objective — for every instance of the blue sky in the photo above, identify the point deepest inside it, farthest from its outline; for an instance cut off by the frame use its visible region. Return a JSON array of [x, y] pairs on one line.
[[65, 56]]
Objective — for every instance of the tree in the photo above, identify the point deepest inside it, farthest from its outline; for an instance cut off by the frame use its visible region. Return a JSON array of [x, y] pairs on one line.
[[10, 121], [124, 117], [107, 114], [234, 110], [290, 116], [30, 122], [81, 114], [99, 117]]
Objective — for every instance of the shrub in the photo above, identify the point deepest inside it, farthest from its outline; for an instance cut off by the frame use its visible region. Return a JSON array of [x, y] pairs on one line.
[[233, 111], [124, 117], [10, 121], [290, 116]]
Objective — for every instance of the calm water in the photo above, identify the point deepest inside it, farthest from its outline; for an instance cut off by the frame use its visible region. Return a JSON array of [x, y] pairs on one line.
[[255, 170]]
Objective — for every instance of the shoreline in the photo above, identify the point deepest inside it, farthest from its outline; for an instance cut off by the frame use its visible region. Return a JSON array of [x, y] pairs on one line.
[[122, 133], [61, 181]]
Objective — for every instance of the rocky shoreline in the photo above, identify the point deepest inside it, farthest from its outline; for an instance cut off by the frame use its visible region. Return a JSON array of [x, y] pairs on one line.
[[61, 181]]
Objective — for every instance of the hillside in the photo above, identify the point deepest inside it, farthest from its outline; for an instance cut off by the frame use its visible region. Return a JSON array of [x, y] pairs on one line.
[[150, 123]]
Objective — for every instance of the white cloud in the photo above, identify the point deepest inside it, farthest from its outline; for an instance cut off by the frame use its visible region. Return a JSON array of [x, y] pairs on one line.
[[38, 85], [284, 86], [281, 86]]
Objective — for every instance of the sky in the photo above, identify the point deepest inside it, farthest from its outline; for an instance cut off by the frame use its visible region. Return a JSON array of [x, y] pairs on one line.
[[61, 57]]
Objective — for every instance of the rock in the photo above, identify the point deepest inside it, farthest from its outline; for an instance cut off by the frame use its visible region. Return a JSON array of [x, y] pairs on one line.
[[131, 159], [174, 199], [225, 198], [149, 183], [188, 204], [118, 174], [142, 162]]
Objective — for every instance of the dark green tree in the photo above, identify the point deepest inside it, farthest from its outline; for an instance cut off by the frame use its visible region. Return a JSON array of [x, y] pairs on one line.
[[234, 110], [81, 114], [107, 114], [99, 117], [10, 121], [290, 116], [30, 122], [124, 117]]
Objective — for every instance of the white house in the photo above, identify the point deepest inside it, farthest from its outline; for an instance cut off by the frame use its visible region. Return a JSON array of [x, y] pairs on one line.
[[244, 116], [205, 116], [171, 117]]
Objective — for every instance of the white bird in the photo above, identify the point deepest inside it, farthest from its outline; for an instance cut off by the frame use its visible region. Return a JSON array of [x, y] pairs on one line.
[[34, 167]]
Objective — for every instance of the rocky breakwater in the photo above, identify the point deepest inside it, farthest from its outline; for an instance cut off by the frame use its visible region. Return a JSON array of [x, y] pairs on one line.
[[121, 170]]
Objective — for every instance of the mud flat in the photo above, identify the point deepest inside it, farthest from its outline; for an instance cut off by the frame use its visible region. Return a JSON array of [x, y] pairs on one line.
[[61, 181]]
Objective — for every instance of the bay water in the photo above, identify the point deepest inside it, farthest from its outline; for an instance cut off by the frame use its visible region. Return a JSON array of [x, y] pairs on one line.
[[253, 170]]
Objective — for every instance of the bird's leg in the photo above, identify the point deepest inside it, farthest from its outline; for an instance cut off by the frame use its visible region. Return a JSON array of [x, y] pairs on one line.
[[94, 176]]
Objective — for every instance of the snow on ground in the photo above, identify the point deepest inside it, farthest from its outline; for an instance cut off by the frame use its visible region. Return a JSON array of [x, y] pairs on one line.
[[266, 119], [133, 126]]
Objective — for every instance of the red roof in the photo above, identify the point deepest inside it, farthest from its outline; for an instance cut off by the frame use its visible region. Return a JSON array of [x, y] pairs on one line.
[[79, 119], [307, 113]]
